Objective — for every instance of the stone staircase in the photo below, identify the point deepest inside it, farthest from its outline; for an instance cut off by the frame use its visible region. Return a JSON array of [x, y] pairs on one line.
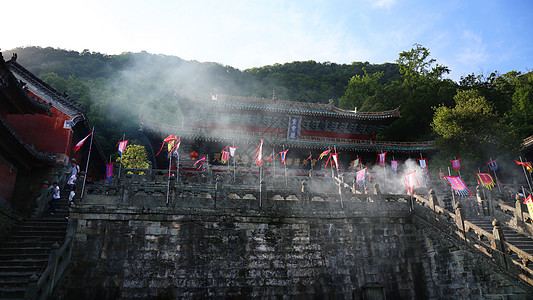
[[25, 252], [511, 236]]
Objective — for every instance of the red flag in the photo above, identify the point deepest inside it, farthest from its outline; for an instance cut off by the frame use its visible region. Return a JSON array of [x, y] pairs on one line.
[[201, 159], [410, 180], [108, 171], [528, 199], [381, 158], [122, 146], [423, 163], [485, 180], [456, 164], [324, 154], [310, 156], [225, 156], [526, 164], [259, 154], [80, 143], [282, 155], [170, 139]]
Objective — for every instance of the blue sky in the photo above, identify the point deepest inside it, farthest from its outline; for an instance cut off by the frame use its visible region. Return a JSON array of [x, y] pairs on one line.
[[467, 36]]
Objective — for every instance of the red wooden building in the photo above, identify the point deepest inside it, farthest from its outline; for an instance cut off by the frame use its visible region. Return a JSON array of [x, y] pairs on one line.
[[39, 128], [210, 124]]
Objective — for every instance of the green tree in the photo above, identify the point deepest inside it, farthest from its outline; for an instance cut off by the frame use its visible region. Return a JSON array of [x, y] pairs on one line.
[[471, 130], [415, 64], [360, 88], [135, 157]]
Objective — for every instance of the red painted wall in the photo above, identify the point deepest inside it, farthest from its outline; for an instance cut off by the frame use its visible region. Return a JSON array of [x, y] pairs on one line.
[[7, 180], [45, 132], [337, 135]]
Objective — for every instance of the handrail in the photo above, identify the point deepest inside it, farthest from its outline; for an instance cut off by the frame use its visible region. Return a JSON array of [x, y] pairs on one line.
[[58, 260]]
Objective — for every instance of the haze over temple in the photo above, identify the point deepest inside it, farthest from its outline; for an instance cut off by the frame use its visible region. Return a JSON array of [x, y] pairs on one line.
[[210, 124], [214, 214]]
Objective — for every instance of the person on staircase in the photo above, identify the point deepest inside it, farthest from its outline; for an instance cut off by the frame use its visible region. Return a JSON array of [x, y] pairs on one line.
[[55, 198], [72, 179]]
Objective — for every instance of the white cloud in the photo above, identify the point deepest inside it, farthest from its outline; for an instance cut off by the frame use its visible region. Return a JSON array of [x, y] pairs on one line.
[[473, 51]]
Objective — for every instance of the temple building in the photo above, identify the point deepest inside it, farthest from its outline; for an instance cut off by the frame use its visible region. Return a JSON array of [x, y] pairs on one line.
[[210, 124], [38, 129]]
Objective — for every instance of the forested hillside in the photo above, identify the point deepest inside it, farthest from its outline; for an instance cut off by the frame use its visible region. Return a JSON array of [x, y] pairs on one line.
[[114, 89]]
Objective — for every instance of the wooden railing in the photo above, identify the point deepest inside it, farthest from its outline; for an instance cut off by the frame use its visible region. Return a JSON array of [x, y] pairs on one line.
[[58, 261]]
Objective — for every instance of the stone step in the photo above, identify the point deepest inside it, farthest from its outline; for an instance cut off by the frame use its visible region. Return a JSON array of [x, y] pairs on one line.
[[12, 293], [40, 233], [15, 275], [30, 262], [27, 244], [34, 269], [34, 238], [30, 250], [23, 256]]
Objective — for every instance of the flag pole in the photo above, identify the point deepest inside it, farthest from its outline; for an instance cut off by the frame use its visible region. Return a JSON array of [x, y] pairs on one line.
[[524, 169], [453, 195], [496, 176], [87, 165], [311, 162], [234, 165], [120, 165], [178, 163], [260, 175], [274, 162], [168, 182], [458, 170], [285, 167], [484, 196]]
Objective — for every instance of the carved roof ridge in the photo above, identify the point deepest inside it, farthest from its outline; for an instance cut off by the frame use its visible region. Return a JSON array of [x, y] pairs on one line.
[[8, 78], [46, 88], [258, 103]]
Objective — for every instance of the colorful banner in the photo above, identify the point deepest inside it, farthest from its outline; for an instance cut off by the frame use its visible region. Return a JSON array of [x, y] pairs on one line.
[[441, 176], [335, 160], [493, 166], [122, 146], [108, 172], [310, 156], [225, 156], [80, 143], [410, 180], [324, 154], [335, 157], [282, 155], [232, 150], [458, 185], [526, 164], [423, 163], [258, 159], [360, 177], [201, 159], [381, 158], [394, 165], [456, 164], [485, 180], [171, 138], [356, 163]]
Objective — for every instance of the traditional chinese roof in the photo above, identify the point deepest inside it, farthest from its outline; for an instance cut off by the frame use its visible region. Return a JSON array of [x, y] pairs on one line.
[[15, 94], [13, 147], [43, 90], [284, 106], [159, 130]]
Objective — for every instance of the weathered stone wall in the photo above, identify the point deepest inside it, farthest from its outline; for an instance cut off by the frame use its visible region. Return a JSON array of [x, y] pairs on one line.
[[285, 251]]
